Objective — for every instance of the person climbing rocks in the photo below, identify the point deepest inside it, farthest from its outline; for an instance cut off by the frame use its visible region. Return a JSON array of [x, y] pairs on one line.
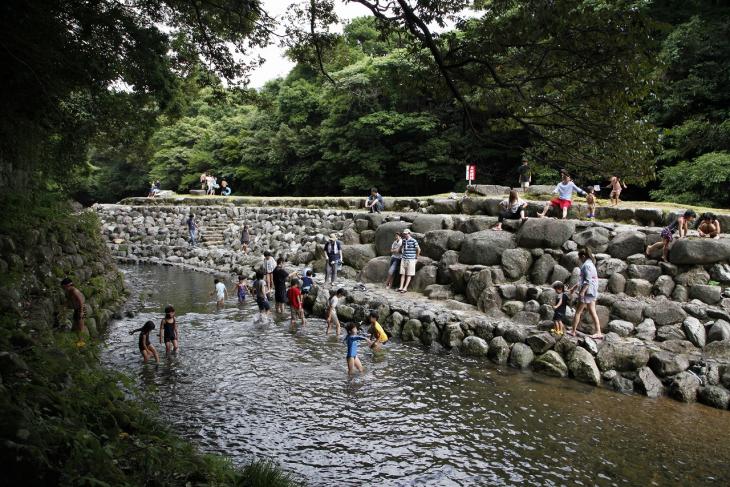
[[564, 190], [192, 229], [681, 225], [708, 226], [77, 300]]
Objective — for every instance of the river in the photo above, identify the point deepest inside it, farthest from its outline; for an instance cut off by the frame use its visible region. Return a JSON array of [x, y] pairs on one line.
[[246, 389]]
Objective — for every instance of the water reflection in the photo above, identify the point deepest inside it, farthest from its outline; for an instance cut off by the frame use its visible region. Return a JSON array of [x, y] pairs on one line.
[[413, 418]]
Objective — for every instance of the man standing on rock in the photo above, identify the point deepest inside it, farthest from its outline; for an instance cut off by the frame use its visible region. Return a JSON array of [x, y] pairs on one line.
[[525, 175], [77, 300], [192, 229], [411, 251], [333, 252]]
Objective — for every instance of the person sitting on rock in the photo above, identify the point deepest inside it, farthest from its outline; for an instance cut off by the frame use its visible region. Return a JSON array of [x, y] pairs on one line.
[[681, 225], [564, 190], [511, 209], [708, 226], [225, 189], [375, 202]]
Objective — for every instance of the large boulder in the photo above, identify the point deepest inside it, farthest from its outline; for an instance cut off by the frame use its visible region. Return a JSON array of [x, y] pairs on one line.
[[719, 350], [693, 276], [699, 251], [647, 383], [478, 282], [646, 330], [695, 331], [665, 312], [516, 262], [541, 342], [521, 356], [684, 387], [485, 247], [622, 356], [720, 273], [435, 243], [426, 223], [706, 293], [385, 234], [545, 233], [714, 396], [628, 309], [542, 269], [498, 350], [594, 238], [583, 367], [720, 330], [609, 267], [664, 286], [665, 364], [550, 363], [424, 277], [620, 327], [625, 244], [357, 256], [474, 346], [376, 270], [411, 330], [671, 332], [647, 272]]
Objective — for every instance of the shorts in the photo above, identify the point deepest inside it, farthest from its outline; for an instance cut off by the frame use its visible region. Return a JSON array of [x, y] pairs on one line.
[[394, 265], [615, 193], [525, 184], [667, 235], [221, 297], [563, 204], [408, 267], [295, 309], [334, 318], [559, 317], [263, 304], [587, 299], [170, 338], [280, 295]]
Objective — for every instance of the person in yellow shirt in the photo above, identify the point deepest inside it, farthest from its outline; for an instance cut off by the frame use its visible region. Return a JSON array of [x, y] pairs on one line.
[[377, 334]]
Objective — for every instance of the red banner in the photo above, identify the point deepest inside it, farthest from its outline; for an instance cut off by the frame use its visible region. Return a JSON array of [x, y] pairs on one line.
[[471, 172]]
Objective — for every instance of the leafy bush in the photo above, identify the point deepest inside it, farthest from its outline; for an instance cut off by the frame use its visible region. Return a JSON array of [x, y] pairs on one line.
[[702, 181]]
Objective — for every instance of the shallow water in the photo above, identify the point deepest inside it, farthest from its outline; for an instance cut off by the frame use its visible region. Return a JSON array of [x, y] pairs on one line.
[[414, 418]]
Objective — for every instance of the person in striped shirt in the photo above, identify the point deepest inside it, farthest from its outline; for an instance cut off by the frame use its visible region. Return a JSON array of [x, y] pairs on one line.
[[410, 252]]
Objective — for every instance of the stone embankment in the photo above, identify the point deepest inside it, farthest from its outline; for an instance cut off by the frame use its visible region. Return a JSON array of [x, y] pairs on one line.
[[667, 325]]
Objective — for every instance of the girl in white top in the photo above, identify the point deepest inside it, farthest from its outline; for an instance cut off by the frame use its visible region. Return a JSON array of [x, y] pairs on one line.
[[511, 209]]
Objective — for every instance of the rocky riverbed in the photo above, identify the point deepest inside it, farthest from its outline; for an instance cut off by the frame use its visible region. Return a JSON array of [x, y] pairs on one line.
[[486, 293]]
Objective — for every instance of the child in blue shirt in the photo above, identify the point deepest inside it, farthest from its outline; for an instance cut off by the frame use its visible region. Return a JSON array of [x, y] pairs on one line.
[[352, 340], [307, 282]]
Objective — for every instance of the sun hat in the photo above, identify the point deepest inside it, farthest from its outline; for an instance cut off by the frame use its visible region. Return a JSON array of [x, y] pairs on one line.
[[406, 231]]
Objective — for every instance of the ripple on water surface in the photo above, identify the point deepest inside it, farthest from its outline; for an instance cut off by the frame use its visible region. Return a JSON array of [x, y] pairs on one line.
[[414, 418]]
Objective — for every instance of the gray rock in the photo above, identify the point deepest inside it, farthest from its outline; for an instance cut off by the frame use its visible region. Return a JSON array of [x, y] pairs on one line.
[[628, 309], [646, 330], [376, 270], [617, 283], [560, 273], [498, 350], [427, 223], [516, 262], [665, 312], [485, 247], [720, 330], [595, 238], [478, 282], [671, 332], [668, 268], [692, 277], [589, 344], [545, 233], [489, 300], [608, 267], [647, 383], [684, 386], [647, 272], [678, 346], [625, 244], [719, 350], [569, 260], [541, 269], [474, 346], [695, 331], [638, 288], [583, 367], [621, 328], [425, 276], [714, 396], [452, 335], [541, 342], [550, 363], [720, 273], [621, 384], [565, 346], [435, 243], [665, 364], [664, 286], [385, 233], [680, 293], [705, 293], [622, 356], [699, 251], [411, 330], [357, 256], [511, 308], [455, 240], [438, 292], [521, 356], [513, 333]]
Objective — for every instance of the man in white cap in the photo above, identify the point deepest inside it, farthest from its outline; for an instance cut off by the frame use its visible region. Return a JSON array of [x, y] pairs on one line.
[[333, 252], [410, 253]]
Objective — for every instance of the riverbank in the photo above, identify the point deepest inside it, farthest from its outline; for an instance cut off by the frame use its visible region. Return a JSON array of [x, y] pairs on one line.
[[65, 419], [485, 293]]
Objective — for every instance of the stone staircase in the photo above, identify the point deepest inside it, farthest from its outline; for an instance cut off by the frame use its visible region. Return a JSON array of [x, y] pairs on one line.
[[211, 234]]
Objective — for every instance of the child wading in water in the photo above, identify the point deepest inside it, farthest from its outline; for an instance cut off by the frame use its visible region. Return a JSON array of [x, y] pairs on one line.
[[681, 224], [168, 329], [377, 334], [352, 339], [145, 347], [332, 311], [220, 292], [261, 293], [591, 202], [561, 304], [295, 302], [241, 289]]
